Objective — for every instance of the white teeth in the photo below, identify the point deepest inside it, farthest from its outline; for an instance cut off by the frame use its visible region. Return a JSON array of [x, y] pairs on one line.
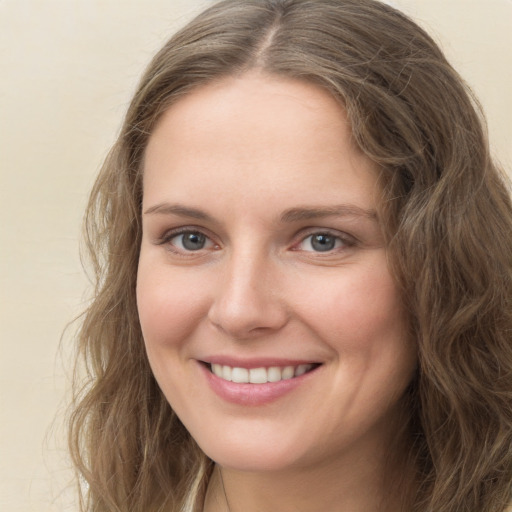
[[288, 372], [301, 369], [217, 369], [274, 374], [240, 375], [259, 375], [226, 372]]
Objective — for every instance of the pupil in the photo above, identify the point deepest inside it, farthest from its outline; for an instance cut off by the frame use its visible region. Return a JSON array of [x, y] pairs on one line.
[[193, 241], [323, 243]]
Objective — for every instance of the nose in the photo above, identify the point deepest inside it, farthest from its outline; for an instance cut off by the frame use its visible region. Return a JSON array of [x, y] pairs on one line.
[[248, 302]]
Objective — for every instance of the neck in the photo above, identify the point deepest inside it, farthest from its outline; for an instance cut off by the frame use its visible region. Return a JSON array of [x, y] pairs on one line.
[[375, 474], [361, 486]]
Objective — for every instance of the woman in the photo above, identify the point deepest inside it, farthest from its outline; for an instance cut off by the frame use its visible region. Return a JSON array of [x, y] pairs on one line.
[[304, 289]]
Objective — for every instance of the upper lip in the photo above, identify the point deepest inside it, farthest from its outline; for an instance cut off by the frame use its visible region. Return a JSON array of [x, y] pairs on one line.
[[258, 362]]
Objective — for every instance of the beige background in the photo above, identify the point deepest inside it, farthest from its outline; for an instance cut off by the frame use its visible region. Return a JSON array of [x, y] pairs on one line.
[[67, 70]]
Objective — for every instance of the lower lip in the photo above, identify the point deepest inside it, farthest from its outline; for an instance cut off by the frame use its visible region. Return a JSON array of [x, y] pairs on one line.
[[253, 394]]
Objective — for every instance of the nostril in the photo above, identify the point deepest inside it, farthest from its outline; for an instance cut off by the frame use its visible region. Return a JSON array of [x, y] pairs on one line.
[[245, 305]]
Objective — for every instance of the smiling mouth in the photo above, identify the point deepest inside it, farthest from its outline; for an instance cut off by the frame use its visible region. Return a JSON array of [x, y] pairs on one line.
[[260, 375]]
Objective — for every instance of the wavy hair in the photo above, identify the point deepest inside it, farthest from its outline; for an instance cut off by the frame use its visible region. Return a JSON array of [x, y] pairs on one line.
[[448, 220]]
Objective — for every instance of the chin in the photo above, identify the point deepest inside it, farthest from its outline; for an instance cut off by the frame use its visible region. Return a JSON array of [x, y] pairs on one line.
[[252, 455], [253, 461]]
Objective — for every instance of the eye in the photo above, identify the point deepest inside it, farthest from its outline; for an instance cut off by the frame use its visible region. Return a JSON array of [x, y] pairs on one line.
[[190, 241], [321, 242]]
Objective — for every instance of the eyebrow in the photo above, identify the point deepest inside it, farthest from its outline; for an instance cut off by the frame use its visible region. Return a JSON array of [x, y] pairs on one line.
[[341, 210], [288, 216], [178, 209]]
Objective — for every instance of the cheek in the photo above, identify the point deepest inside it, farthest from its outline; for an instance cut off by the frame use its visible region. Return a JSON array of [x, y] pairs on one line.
[[170, 305], [356, 309], [362, 320]]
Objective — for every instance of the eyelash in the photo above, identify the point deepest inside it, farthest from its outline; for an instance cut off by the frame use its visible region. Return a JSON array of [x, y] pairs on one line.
[[166, 239], [346, 240]]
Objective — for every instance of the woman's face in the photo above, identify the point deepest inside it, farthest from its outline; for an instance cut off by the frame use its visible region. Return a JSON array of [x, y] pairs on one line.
[[262, 259]]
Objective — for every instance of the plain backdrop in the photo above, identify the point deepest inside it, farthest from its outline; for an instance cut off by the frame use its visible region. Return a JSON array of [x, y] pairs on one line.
[[67, 71]]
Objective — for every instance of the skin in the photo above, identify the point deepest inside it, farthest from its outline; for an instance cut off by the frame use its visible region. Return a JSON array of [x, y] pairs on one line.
[[241, 157]]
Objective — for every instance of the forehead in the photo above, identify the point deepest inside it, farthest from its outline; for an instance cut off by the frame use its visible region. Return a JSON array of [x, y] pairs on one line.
[[275, 136]]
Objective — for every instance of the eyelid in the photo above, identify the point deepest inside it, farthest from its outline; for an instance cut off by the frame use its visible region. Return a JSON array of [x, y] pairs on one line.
[[174, 232], [347, 240]]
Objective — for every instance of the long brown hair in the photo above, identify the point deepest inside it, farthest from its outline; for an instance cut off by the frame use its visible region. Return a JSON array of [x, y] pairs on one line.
[[448, 220]]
